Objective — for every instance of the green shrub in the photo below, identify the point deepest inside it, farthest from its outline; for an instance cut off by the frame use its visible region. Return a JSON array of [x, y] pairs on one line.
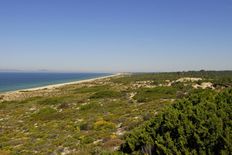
[[86, 139], [104, 125], [88, 106], [50, 101], [149, 94], [3, 105], [200, 124], [90, 89], [106, 94], [85, 126], [47, 114]]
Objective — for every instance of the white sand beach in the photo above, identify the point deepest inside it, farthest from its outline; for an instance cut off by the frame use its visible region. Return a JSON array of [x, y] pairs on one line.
[[63, 84]]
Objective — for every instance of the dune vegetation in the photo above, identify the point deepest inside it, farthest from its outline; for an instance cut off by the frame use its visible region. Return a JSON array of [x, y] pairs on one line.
[[142, 113]]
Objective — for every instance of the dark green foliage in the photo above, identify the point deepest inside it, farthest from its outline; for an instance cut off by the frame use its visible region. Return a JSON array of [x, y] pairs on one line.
[[85, 126], [221, 76], [148, 94], [225, 82], [201, 124]]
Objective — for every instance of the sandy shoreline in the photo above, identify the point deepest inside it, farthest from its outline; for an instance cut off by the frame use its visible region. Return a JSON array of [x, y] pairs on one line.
[[52, 86]]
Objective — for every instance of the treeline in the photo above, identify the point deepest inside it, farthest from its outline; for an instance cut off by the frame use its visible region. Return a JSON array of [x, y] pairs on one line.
[[199, 124], [218, 78]]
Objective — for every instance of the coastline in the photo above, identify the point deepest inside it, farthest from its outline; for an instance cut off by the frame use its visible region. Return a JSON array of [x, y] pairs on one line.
[[53, 86]]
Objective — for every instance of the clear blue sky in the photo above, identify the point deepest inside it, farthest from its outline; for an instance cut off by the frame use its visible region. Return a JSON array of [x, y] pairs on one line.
[[115, 35]]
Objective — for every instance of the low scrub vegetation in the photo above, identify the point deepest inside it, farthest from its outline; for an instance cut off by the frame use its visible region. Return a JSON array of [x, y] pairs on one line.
[[104, 125], [107, 116], [106, 94], [47, 114], [149, 94]]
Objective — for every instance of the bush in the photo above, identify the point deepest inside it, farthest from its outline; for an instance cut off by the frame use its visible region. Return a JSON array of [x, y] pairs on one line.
[[200, 124], [85, 126], [149, 94], [50, 101], [47, 114], [104, 125], [86, 139], [89, 106], [106, 94]]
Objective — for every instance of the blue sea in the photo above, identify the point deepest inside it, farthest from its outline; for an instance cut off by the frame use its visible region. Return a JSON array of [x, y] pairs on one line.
[[16, 81]]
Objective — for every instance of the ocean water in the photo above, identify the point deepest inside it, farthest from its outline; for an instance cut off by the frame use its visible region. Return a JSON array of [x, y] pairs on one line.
[[16, 81]]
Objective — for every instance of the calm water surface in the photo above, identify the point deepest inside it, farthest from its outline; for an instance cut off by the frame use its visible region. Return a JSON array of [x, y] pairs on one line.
[[16, 81]]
